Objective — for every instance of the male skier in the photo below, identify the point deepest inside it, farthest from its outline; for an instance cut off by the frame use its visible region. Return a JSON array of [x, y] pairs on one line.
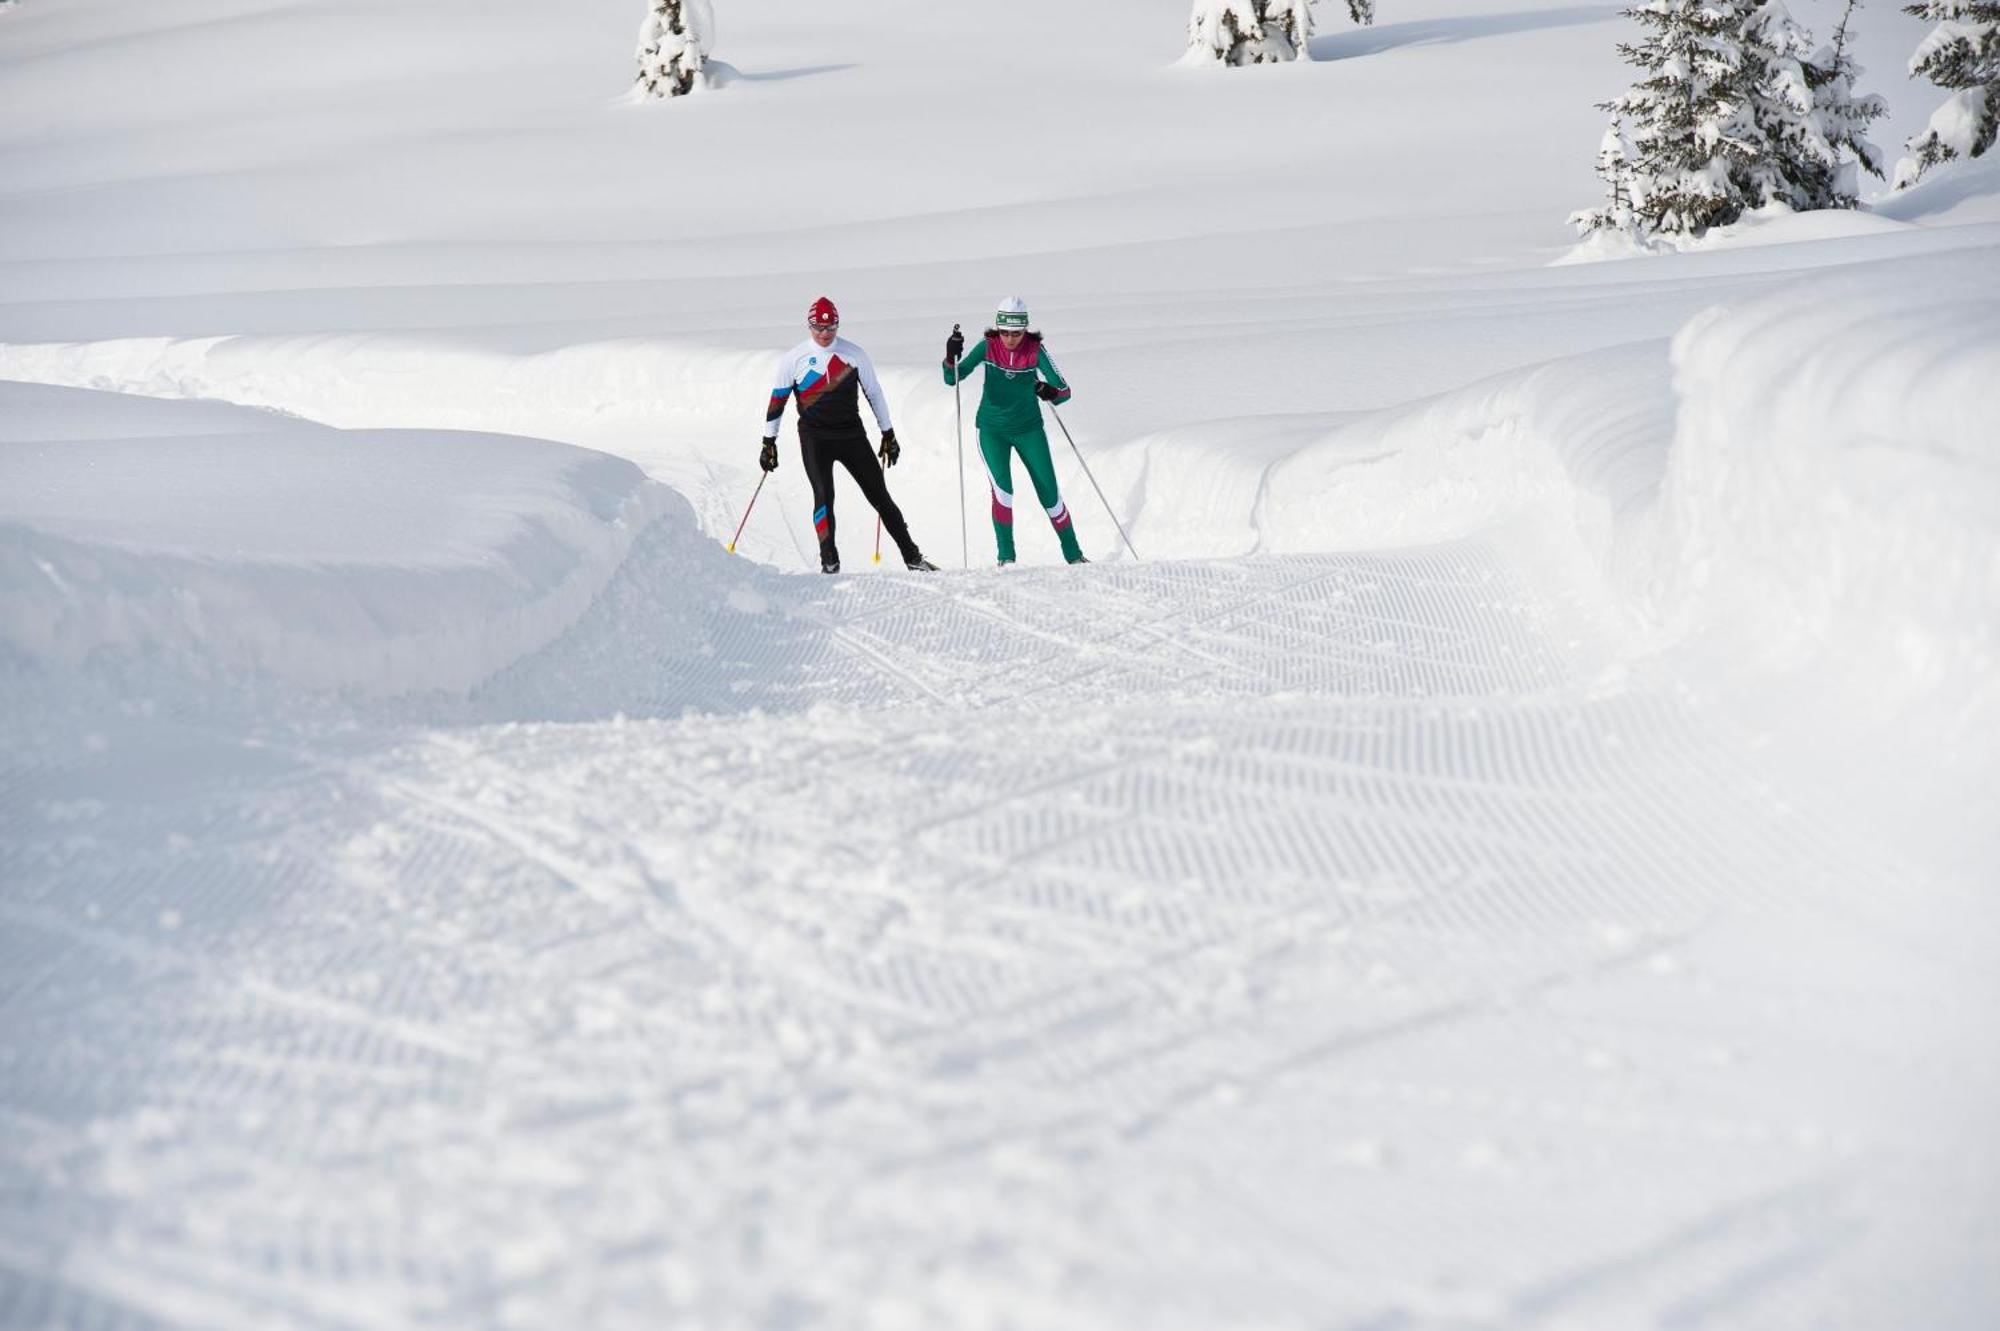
[[823, 373]]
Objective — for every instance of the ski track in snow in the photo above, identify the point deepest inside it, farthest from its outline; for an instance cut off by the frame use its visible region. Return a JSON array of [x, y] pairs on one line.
[[1135, 883]]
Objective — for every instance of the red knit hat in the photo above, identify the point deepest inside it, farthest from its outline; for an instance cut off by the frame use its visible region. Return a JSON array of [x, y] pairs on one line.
[[823, 313]]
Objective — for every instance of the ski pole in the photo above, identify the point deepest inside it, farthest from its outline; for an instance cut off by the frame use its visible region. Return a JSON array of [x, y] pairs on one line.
[[1093, 480], [878, 538], [731, 547], [958, 410]]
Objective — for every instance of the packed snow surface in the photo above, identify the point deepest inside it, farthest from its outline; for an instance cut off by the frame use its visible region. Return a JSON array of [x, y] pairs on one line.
[[1514, 852]]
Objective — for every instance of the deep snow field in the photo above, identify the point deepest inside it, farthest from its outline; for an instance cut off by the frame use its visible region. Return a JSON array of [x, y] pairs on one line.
[[1517, 851]]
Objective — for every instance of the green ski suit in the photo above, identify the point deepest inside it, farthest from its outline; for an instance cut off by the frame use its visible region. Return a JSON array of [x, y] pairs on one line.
[[1010, 421]]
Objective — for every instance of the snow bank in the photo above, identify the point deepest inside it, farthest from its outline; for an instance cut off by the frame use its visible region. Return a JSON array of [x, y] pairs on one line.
[[620, 387], [1961, 193], [1956, 194], [219, 541], [1803, 492], [674, 410], [1831, 512], [1581, 440], [1772, 224]]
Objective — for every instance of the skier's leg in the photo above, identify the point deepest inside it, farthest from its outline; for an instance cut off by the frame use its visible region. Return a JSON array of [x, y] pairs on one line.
[[1042, 471], [998, 451], [818, 459], [859, 459]]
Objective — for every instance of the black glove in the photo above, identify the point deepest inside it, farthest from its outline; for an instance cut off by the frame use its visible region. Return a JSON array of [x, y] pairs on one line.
[[1047, 392], [768, 457], [954, 346], [891, 450]]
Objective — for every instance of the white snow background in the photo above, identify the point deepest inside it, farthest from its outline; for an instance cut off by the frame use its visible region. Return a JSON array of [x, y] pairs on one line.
[[1518, 851]]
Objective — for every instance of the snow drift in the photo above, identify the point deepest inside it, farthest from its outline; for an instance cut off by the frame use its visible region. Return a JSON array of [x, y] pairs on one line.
[[219, 541], [1804, 486], [1831, 506]]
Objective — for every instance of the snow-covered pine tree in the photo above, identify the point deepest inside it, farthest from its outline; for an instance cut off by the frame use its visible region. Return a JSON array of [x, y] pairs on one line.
[[1844, 117], [1614, 168], [1779, 148], [1731, 114], [1250, 32], [1669, 172], [673, 46], [1963, 53]]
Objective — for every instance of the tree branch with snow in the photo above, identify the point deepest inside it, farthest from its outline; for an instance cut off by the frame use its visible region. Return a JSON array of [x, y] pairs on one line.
[[1961, 53]]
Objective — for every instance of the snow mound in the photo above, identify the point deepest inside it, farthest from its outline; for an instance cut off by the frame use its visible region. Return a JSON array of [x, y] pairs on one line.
[[221, 541], [1773, 224], [1832, 506], [1962, 193], [1801, 487], [1582, 439]]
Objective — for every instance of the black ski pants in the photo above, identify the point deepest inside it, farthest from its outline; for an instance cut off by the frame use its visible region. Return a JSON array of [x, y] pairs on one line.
[[851, 451]]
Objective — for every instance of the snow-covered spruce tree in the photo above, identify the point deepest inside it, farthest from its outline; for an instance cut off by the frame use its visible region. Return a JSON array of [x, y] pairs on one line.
[[1726, 117], [1963, 53], [1614, 168], [673, 46], [1783, 154], [1250, 32], [1665, 161]]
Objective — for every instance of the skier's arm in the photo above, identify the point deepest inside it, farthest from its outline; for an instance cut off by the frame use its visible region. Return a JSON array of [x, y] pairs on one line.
[[1047, 364], [878, 402], [973, 360], [781, 390]]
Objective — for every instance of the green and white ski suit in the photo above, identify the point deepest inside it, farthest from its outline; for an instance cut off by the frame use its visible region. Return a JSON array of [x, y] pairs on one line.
[[1010, 421]]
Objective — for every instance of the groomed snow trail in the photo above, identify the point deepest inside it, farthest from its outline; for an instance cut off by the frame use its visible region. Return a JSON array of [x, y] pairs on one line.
[[1285, 942]]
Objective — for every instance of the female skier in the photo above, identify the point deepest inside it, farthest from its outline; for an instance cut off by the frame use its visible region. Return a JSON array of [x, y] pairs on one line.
[[1010, 419]]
